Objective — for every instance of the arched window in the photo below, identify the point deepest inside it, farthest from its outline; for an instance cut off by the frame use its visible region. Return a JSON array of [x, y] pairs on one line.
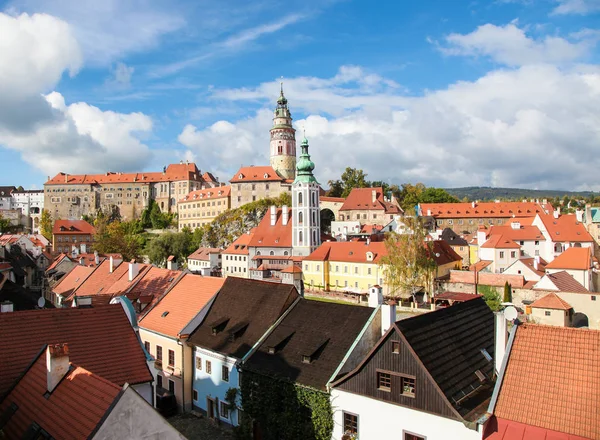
[[314, 198], [271, 253], [300, 237], [300, 218], [286, 253], [299, 199]]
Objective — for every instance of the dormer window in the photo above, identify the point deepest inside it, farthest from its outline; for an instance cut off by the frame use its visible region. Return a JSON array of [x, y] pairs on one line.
[[306, 359], [266, 176], [369, 256], [218, 326], [240, 176]]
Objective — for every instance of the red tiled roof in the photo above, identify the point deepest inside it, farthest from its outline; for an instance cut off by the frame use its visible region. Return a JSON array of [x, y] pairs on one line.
[[348, 251], [499, 242], [551, 301], [279, 235], [218, 192], [208, 177], [72, 227], [573, 258], [101, 278], [256, 174], [500, 429], [57, 260], [551, 380], [240, 244], [456, 296], [204, 253], [484, 209], [73, 410], [529, 262], [121, 285], [100, 339], [370, 229], [362, 199], [480, 265], [182, 303], [565, 228], [565, 282], [332, 199], [71, 281], [173, 172], [292, 269], [524, 232]]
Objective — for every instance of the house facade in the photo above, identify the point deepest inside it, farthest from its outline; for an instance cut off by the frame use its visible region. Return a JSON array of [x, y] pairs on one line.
[[72, 234], [205, 260], [200, 207], [234, 259], [369, 205]]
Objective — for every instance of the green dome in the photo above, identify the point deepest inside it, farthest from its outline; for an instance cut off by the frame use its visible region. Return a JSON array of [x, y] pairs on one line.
[[305, 166]]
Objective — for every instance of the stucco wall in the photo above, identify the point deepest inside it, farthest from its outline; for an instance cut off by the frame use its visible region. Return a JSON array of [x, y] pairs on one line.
[[558, 318], [146, 390]]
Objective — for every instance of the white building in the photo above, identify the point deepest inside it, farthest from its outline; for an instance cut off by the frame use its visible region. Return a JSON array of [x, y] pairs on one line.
[[31, 204], [205, 260], [235, 260]]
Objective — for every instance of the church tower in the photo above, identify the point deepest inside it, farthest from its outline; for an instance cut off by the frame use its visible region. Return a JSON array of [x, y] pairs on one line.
[[283, 140], [306, 220]]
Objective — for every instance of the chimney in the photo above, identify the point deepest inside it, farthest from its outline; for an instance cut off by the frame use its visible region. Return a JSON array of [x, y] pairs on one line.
[[83, 248], [171, 263], [57, 364], [66, 178], [111, 264], [388, 316], [273, 215], [536, 262], [134, 269], [472, 204], [429, 213], [6, 307], [375, 296], [501, 339], [373, 196], [556, 213], [579, 215], [285, 215], [96, 258], [515, 225]]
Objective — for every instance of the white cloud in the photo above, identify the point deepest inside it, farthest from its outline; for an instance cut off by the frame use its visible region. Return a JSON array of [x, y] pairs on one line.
[[120, 76], [249, 35], [580, 7], [536, 126], [52, 136], [511, 46]]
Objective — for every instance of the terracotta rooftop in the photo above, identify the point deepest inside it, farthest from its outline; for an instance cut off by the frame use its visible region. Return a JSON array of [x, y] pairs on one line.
[[452, 238], [551, 301], [348, 251], [574, 258], [500, 429], [565, 228], [279, 235], [530, 263], [102, 278], [182, 303], [292, 269], [91, 334], [563, 282], [218, 192], [240, 244], [68, 227], [362, 199], [256, 174], [72, 280], [74, 409], [332, 199], [500, 242], [203, 254], [552, 380], [484, 209], [151, 285], [173, 172], [523, 232], [456, 296], [480, 265]]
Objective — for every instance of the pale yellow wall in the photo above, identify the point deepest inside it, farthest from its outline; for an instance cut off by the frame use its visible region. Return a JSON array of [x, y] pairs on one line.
[[366, 216], [558, 318], [195, 213], [236, 268], [355, 277]]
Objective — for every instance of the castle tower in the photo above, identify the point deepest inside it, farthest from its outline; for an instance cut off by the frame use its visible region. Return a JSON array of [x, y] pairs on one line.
[[283, 140], [306, 220]]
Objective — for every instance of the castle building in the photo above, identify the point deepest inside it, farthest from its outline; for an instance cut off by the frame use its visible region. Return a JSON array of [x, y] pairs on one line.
[[283, 140]]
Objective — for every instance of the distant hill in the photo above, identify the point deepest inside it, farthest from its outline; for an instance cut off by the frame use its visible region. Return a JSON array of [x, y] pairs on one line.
[[487, 193]]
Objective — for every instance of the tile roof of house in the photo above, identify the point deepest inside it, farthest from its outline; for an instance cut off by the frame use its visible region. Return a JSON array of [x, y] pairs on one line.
[[240, 244], [484, 209], [362, 199], [443, 253], [242, 312], [279, 235], [151, 285], [203, 253], [523, 232], [174, 172], [182, 303], [565, 228], [456, 296], [564, 282], [209, 177], [530, 263], [348, 251], [551, 301], [100, 339], [121, 285], [310, 327], [56, 261], [332, 199], [480, 265], [74, 409], [500, 242], [199, 195], [452, 238], [576, 258], [292, 269], [370, 229], [67, 227], [6, 190], [101, 278], [501, 429], [256, 174], [72, 280], [551, 380]]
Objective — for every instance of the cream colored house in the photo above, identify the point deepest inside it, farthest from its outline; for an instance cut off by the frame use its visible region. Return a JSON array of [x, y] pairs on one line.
[[235, 260], [202, 206], [552, 310]]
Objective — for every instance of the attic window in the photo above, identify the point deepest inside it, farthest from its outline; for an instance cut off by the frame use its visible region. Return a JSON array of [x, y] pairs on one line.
[[306, 359], [218, 326], [486, 355], [240, 176], [164, 314], [237, 330], [480, 376], [266, 175]]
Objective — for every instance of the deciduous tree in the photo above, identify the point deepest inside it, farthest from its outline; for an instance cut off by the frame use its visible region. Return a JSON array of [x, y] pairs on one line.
[[46, 224]]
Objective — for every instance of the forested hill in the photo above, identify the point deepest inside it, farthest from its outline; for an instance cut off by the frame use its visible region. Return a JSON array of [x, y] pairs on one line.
[[487, 193]]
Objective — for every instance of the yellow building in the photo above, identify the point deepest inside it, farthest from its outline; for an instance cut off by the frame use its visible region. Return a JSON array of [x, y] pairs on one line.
[[202, 206]]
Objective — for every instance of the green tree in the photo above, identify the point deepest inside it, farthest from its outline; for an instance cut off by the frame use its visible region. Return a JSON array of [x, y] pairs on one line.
[[178, 244], [118, 237], [491, 297], [409, 262], [336, 188], [507, 293], [4, 224], [353, 178], [437, 195], [20, 188], [46, 224]]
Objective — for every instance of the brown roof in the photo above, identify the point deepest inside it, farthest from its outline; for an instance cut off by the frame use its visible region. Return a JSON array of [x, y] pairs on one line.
[[565, 282], [67, 227], [485, 209], [362, 199], [173, 172], [218, 192], [573, 258], [74, 409], [182, 303], [279, 235], [256, 174], [100, 339], [242, 312], [565, 228], [551, 380], [551, 301], [204, 253]]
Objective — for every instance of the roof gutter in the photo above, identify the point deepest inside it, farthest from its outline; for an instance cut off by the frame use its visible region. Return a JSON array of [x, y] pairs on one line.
[[352, 347], [500, 378]]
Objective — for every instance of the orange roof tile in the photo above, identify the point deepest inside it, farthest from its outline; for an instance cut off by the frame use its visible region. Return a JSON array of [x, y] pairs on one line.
[[71, 281], [100, 339], [121, 285], [240, 244], [485, 209], [565, 282], [332, 199], [565, 228], [256, 174], [348, 251], [74, 409], [362, 199], [573, 258], [67, 227], [101, 278], [279, 235], [530, 263], [499, 242], [551, 380], [218, 192], [182, 303], [151, 285], [292, 269], [500, 429], [57, 260], [480, 265], [524, 232], [551, 301]]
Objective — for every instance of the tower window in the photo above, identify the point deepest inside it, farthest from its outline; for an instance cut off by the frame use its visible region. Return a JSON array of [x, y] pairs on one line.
[[279, 149], [300, 237], [299, 199], [300, 218]]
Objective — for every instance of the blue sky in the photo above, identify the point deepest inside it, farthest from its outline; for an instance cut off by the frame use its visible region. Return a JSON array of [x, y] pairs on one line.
[[449, 93]]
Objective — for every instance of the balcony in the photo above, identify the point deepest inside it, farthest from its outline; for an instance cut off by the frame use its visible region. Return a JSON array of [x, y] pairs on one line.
[[158, 364]]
